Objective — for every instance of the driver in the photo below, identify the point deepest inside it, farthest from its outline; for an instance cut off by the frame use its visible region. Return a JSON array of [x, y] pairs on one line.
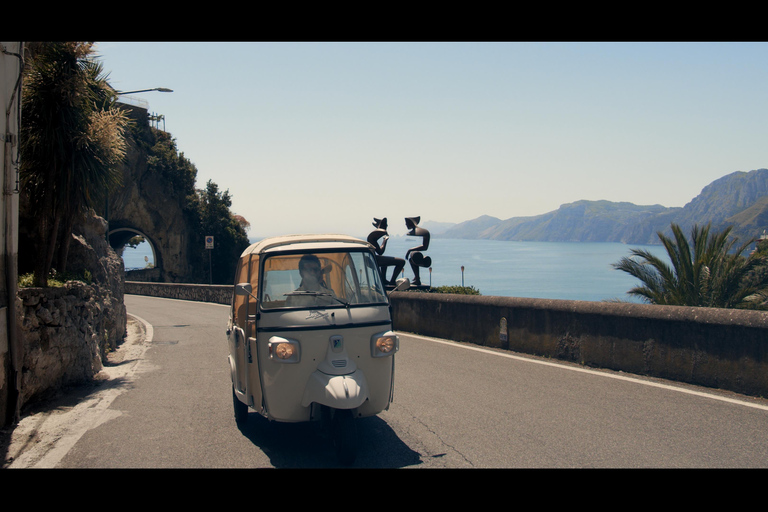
[[311, 272]]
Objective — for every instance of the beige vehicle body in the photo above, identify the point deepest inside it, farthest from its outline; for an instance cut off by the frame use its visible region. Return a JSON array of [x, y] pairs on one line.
[[292, 350]]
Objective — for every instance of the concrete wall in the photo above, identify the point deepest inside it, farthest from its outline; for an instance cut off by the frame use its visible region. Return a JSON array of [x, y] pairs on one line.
[[10, 344], [719, 348]]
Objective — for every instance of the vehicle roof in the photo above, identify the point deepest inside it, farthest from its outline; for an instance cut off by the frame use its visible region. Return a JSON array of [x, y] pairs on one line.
[[301, 242]]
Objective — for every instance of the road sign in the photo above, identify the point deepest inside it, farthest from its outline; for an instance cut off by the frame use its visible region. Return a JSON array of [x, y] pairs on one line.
[[209, 242]]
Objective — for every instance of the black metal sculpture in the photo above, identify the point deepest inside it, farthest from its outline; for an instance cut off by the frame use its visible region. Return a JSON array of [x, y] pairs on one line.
[[417, 258], [414, 255], [384, 261]]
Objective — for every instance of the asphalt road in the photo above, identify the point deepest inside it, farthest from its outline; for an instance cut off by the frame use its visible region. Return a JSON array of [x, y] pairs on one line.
[[167, 404]]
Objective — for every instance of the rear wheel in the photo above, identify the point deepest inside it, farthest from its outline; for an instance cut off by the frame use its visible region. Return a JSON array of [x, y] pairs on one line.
[[241, 410], [344, 436]]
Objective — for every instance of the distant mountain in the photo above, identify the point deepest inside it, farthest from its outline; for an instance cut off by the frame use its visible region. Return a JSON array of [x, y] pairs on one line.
[[437, 228], [470, 228], [739, 199], [736, 199], [752, 221]]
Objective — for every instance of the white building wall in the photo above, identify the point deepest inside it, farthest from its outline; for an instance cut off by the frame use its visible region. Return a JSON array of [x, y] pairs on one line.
[[10, 94]]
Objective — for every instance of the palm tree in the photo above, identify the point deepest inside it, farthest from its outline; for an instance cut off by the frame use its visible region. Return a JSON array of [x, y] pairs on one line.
[[71, 143], [709, 272]]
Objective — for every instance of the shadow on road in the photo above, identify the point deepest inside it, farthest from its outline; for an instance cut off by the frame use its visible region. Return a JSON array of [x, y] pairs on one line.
[[303, 445], [43, 419]]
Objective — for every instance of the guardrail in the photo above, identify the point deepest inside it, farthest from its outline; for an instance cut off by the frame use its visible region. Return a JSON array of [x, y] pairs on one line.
[[718, 348]]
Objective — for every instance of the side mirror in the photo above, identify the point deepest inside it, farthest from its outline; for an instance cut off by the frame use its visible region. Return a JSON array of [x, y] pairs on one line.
[[243, 289], [402, 284]]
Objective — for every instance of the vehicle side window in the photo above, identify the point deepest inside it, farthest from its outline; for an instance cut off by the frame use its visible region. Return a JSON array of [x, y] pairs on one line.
[[246, 271], [367, 277]]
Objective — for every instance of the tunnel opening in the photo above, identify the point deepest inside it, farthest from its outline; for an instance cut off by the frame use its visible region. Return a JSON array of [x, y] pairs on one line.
[[138, 254], [140, 257]]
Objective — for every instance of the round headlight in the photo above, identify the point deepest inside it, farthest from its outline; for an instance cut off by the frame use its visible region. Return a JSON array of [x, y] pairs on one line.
[[284, 350]]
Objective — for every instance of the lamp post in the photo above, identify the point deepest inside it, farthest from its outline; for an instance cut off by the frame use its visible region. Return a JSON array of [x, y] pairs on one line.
[[159, 89]]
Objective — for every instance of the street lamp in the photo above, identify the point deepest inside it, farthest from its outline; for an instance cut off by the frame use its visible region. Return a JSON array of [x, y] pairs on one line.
[[159, 89]]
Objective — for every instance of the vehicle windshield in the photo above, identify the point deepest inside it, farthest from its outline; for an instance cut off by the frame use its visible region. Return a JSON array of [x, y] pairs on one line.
[[321, 279]]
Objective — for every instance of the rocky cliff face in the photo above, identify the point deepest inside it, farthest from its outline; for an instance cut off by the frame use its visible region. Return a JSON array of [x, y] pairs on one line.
[[724, 201], [147, 203], [67, 331]]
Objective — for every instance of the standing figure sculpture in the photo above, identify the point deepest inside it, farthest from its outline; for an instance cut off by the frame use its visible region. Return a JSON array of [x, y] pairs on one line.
[[384, 261], [417, 259]]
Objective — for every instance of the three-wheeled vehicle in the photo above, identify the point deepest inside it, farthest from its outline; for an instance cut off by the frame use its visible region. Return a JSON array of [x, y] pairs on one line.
[[310, 334]]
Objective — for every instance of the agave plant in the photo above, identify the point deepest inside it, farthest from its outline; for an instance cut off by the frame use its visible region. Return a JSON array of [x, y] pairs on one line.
[[711, 271]]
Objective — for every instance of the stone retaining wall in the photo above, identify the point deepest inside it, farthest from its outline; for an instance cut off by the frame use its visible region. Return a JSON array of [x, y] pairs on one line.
[[154, 275], [67, 332], [719, 348], [220, 294]]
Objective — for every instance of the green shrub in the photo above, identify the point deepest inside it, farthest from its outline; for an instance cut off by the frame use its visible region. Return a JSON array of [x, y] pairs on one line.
[[56, 279], [461, 290]]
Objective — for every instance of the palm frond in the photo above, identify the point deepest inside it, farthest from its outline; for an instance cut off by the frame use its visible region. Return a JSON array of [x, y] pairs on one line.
[[709, 271]]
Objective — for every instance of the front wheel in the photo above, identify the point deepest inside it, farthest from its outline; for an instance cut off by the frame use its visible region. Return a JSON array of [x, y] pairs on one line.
[[241, 410], [345, 436]]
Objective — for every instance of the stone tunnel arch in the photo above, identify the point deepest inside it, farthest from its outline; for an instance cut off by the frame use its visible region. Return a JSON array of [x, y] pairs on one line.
[[147, 204], [118, 239]]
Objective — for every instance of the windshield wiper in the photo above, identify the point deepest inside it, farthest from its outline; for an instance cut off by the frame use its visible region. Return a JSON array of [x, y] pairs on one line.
[[315, 294]]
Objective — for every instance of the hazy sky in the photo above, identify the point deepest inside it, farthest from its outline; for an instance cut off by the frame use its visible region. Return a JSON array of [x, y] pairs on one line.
[[322, 137]]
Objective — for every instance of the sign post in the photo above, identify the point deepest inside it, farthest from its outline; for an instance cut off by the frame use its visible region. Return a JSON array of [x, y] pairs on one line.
[[209, 248]]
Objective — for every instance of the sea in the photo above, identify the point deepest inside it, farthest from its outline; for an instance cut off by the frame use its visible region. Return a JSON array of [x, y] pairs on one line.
[[545, 270]]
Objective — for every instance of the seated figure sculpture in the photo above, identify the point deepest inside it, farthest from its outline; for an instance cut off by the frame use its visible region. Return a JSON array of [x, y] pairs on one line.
[[417, 259], [384, 261]]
